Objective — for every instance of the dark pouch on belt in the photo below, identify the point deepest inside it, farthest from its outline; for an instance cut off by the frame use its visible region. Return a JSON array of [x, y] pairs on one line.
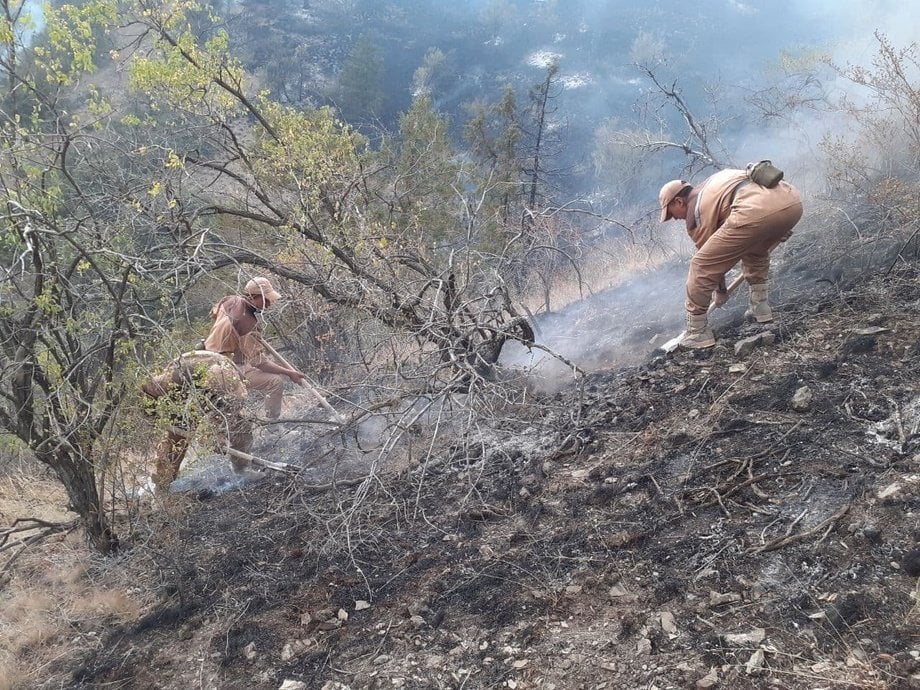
[[764, 173]]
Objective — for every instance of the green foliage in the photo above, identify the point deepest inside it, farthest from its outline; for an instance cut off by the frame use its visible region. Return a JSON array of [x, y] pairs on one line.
[[112, 214], [72, 39], [359, 92], [878, 160], [494, 135], [428, 71], [307, 151], [187, 75], [426, 176]]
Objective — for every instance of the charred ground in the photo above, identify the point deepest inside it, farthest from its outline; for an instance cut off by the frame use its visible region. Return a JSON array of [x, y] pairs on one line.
[[699, 520]]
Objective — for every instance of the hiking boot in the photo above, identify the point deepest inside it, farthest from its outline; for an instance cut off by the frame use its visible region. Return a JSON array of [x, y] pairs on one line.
[[698, 334], [759, 310]]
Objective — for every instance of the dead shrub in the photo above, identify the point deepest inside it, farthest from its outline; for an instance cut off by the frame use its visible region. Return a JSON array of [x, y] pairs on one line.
[[11, 678]]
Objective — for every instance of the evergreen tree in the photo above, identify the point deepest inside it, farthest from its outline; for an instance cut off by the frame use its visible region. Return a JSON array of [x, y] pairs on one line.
[[359, 93]]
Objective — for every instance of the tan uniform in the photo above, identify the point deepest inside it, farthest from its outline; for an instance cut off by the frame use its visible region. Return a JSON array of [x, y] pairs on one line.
[[731, 219], [231, 336], [198, 386]]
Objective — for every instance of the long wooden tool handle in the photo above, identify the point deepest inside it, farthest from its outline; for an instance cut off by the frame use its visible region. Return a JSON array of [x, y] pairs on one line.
[[255, 460], [740, 279], [734, 284], [283, 362], [729, 290]]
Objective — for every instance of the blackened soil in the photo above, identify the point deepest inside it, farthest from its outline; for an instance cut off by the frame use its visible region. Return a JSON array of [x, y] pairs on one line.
[[696, 515]]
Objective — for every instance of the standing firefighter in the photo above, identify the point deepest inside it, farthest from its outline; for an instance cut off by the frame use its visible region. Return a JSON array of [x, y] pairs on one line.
[[730, 217], [236, 334], [198, 389]]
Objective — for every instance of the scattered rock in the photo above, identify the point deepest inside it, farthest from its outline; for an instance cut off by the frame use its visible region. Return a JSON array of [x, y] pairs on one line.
[[668, 624], [746, 346], [249, 651], [710, 680], [748, 639], [718, 599], [295, 648], [911, 563], [618, 591], [618, 539], [295, 685], [754, 665], [360, 605], [801, 401], [890, 491]]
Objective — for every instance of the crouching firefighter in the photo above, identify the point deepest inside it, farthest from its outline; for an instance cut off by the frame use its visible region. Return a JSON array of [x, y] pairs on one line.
[[734, 215], [203, 391]]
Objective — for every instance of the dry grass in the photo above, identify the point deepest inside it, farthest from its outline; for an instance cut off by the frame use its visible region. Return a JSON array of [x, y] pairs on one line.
[[56, 604], [58, 597], [10, 677], [28, 490], [616, 261]]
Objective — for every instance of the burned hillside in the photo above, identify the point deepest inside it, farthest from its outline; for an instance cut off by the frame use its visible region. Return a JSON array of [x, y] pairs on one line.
[[485, 474], [740, 517]]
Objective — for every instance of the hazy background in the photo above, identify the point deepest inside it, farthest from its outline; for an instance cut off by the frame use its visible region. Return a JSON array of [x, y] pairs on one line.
[[763, 78], [720, 54]]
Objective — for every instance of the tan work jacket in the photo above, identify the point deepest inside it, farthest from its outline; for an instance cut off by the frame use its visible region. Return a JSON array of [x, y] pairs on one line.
[[711, 203], [231, 333], [729, 192]]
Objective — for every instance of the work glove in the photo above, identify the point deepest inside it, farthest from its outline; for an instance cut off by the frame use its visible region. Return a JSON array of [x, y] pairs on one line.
[[719, 297]]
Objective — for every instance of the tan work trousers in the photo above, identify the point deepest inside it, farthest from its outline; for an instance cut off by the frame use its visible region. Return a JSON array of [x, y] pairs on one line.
[[760, 218], [270, 385], [171, 450], [220, 399]]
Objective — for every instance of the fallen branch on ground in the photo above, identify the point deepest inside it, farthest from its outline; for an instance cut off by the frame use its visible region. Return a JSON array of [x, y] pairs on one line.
[[826, 526], [23, 525]]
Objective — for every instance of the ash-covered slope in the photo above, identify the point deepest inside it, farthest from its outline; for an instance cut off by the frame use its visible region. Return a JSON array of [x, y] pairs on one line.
[[702, 519]]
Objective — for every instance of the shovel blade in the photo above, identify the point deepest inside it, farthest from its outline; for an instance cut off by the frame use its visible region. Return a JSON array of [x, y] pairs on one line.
[[673, 343]]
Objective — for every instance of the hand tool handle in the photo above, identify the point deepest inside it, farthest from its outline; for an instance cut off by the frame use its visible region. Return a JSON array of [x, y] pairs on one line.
[[729, 290], [283, 362]]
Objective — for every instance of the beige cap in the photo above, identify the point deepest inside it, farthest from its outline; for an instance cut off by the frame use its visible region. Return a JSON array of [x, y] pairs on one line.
[[261, 286], [667, 194]]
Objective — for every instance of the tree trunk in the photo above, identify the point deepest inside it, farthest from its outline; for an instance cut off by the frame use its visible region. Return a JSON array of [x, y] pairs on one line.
[[79, 479]]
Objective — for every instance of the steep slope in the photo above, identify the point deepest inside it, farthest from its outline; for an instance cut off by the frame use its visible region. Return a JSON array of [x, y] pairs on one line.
[[701, 519]]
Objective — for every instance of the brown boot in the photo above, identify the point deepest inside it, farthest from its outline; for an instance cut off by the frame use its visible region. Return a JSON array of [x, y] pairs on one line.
[[759, 310], [169, 453], [698, 334]]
